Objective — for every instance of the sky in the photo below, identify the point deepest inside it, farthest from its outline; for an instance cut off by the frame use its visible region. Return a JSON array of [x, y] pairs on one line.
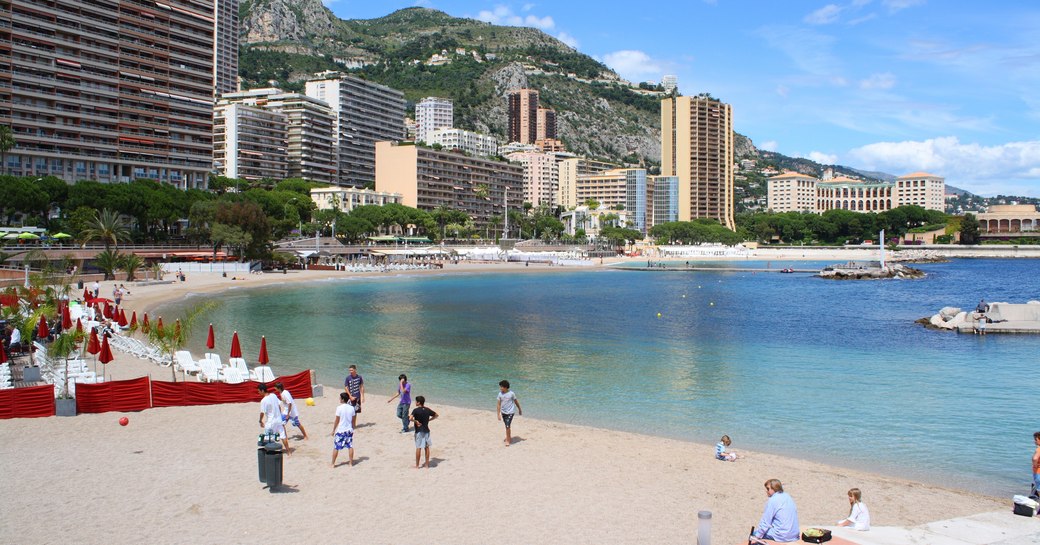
[[949, 87]]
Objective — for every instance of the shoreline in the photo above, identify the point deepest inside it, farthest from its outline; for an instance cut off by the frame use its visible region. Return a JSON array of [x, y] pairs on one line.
[[561, 482]]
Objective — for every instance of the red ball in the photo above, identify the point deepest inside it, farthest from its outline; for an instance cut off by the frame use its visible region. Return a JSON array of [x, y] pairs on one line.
[[124, 421]]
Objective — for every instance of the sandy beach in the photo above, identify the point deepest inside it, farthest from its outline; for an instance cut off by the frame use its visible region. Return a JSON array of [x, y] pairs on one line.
[[188, 475]]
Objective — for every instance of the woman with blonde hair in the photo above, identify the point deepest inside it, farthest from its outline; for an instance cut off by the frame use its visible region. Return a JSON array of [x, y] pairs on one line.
[[859, 517]]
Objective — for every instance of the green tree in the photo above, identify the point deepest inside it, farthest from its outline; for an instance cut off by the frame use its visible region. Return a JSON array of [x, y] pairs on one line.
[[171, 338], [108, 227], [969, 229], [7, 142], [130, 265], [109, 262], [232, 236]]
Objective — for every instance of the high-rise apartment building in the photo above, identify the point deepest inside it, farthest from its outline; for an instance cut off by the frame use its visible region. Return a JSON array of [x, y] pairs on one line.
[[665, 200], [523, 116], [310, 152], [541, 177], [608, 188], [365, 113], [545, 127], [248, 142], [108, 90], [432, 113], [697, 147], [225, 46], [636, 203], [569, 170], [427, 179]]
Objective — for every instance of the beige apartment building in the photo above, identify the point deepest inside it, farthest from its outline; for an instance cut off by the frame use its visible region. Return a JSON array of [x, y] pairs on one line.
[[346, 199], [792, 192], [541, 177], [249, 142], [545, 126], [608, 188], [795, 192], [697, 148], [109, 90], [428, 179], [569, 170]]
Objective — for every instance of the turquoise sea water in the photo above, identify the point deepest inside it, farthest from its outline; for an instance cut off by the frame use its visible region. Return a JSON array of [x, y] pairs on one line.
[[834, 371]]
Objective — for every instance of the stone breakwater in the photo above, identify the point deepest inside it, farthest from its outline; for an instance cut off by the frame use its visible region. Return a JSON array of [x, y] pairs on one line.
[[859, 272], [1001, 318]]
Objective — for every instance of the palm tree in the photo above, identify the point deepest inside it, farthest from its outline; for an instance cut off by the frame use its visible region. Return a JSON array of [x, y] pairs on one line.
[[131, 263], [7, 142], [495, 222], [108, 227], [109, 262], [171, 338]]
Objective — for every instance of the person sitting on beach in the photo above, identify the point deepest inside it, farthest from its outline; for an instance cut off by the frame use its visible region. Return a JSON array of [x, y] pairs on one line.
[[720, 450], [780, 516], [859, 517], [271, 416]]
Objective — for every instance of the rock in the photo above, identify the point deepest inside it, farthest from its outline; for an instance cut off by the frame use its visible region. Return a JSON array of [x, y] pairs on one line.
[[937, 321], [948, 312]]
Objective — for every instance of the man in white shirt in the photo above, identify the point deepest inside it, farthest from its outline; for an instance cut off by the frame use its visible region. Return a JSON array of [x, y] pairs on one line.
[[289, 412], [343, 429], [16, 339], [271, 416]]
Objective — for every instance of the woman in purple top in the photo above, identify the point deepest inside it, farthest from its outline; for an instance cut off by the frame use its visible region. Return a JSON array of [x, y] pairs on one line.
[[404, 391]]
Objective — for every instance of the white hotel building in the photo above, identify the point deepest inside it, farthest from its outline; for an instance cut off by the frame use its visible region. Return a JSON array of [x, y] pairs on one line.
[[795, 192]]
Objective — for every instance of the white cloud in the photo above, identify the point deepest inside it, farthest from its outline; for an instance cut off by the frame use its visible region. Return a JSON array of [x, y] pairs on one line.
[[503, 15], [527, 7], [957, 162], [768, 145], [568, 39], [633, 64], [822, 158], [878, 81], [419, 3], [897, 5], [825, 15]]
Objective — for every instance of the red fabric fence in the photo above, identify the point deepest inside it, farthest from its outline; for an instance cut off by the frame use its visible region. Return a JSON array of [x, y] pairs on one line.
[[179, 394], [118, 395], [142, 393], [31, 402]]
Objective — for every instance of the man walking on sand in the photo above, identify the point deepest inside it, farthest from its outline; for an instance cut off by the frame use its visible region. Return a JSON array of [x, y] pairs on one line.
[[271, 416], [421, 417], [355, 386], [508, 406], [291, 413], [343, 429]]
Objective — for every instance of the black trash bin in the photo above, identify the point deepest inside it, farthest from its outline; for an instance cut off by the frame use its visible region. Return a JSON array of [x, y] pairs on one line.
[[261, 463], [273, 465], [79, 284]]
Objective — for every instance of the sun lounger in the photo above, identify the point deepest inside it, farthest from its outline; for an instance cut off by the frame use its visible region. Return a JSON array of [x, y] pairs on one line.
[[240, 364], [231, 375], [210, 370], [186, 362], [263, 373]]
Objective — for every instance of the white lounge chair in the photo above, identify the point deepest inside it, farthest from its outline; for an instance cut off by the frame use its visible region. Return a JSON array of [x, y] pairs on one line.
[[186, 362], [262, 373], [232, 376], [240, 364], [210, 370]]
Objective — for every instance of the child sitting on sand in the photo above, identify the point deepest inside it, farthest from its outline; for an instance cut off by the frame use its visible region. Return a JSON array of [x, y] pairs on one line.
[[859, 517], [720, 450]]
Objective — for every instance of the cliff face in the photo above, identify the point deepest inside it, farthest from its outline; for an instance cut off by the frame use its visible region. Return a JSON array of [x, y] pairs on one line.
[[285, 21]]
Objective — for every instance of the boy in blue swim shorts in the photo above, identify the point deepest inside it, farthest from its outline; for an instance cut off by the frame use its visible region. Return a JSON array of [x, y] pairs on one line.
[[343, 429]]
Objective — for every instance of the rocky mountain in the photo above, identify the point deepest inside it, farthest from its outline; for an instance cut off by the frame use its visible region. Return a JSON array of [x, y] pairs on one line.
[[425, 52]]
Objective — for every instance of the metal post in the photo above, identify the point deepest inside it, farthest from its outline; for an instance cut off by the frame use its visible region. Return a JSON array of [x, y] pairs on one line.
[[704, 528], [881, 243]]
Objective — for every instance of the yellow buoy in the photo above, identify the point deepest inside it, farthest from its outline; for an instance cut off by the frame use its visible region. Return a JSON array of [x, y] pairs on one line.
[[310, 402]]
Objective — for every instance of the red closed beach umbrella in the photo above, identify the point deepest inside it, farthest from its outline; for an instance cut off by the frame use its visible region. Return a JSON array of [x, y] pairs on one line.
[[93, 344], [236, 348], [87, 294], [66, 318], [105, 355], [159, 327], [108, 311], [210, 342], [133, 320], [79, 325], [42, 331], [122, 319], [263, 351], [3, 355], [145, 326], [177, 329]]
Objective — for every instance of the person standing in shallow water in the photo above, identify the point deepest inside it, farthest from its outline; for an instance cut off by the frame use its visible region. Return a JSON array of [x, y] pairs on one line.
[[404, 392]]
